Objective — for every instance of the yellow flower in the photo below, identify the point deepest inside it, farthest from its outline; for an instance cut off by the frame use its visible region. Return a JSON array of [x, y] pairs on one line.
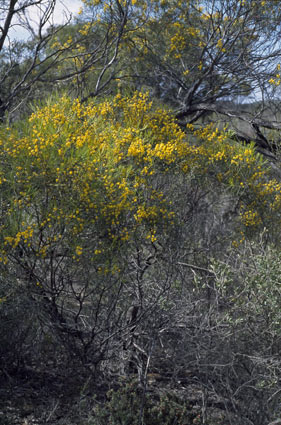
[[79, 250]]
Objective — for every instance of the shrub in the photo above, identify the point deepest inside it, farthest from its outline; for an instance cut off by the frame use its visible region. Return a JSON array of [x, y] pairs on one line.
[[128, 406], [98, 203]]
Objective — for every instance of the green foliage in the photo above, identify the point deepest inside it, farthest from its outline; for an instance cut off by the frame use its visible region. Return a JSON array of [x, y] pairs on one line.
[[127, 406]]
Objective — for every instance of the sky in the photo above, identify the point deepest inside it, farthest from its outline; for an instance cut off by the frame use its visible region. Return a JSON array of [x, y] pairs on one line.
[[63, 9], [73, 5]]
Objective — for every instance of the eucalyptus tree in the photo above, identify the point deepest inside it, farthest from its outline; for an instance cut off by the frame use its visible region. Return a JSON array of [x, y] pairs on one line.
[[44, 57], [210, 57]]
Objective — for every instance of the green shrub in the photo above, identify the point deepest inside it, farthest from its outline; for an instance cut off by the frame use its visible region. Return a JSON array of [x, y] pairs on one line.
[[129, 406]]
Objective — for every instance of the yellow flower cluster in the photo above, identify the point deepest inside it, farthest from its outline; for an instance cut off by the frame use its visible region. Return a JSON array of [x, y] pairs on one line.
[[277, 79], [250, 218], [24, 235], [220, 45]]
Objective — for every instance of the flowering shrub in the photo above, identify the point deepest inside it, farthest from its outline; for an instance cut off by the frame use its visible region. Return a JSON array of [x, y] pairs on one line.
[[92, 209], [89, 177]]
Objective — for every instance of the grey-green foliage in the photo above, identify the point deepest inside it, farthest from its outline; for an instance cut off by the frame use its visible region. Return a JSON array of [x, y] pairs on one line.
[[252, 286], [248, 287]]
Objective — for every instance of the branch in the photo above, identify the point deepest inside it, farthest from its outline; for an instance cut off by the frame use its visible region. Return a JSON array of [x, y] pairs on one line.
[[7, 23], [260, 140]]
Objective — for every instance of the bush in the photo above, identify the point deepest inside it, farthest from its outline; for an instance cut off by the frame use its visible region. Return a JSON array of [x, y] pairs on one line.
[[129, 406], [99, 202]]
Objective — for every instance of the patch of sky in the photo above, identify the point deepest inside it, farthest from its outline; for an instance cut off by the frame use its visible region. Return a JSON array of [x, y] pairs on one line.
[[64, 11]]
